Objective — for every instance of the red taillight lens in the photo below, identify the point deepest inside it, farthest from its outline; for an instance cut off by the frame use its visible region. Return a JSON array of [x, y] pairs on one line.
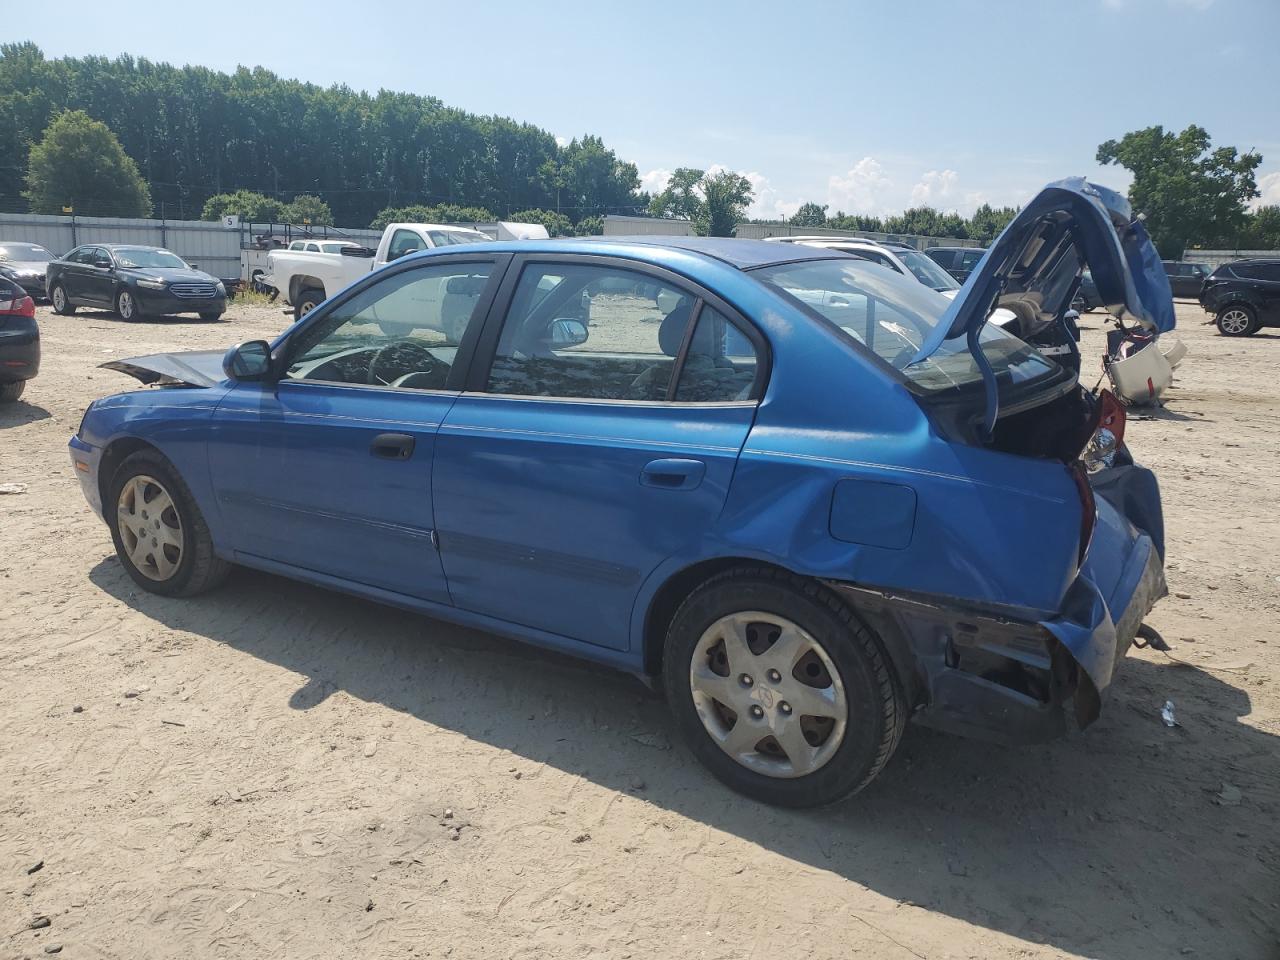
[[1111, 415], [1088, 510], [21, 307]]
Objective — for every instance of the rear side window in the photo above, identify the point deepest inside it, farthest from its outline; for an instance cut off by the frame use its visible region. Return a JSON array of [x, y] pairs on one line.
[[1256, 271], [969, 259]]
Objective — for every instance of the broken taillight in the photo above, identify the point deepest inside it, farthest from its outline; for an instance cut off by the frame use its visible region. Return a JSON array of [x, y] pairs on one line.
[[1108, 434]]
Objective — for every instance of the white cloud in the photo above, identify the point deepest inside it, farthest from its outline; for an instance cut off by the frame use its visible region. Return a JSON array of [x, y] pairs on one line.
[[561, 141], [655, 181], [1269, 188], [766, 204], [860, 189], [934, 189]]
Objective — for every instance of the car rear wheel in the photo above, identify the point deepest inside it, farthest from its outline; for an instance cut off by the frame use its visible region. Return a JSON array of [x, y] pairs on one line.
[[61, 304], [127, 306], [159, 533], [308, 300], [9, 392], [1237, 320], [779, 689]]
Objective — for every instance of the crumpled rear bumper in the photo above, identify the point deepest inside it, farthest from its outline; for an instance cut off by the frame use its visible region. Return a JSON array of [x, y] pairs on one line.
[[1016, 676]]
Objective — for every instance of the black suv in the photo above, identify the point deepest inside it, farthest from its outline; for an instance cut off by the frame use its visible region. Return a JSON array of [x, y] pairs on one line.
[[957, 261], [1243, 296], [1185, 277]]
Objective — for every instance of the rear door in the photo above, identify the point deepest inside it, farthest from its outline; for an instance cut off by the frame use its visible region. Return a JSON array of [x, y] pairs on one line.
[[598, 435]]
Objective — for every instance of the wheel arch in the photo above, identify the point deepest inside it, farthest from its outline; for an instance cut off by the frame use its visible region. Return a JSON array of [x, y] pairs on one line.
[[299, 283], [113, 455]]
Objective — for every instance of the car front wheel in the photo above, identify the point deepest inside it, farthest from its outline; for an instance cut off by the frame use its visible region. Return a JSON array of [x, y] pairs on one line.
[[127, 306], [779, 689], [1237, 320], [158, 530], [308, 300]]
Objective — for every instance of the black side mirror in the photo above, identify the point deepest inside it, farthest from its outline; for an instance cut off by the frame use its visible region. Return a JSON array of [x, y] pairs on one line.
[[102, 262], [567, 332], [248, 361]]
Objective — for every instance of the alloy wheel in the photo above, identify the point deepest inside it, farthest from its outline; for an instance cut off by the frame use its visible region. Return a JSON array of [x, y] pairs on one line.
[[1234, 321], [59, 299], [126, 305], [768, 694], [150, 527]]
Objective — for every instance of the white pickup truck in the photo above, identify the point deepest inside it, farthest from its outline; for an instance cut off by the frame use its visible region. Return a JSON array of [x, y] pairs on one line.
[[306, 278]]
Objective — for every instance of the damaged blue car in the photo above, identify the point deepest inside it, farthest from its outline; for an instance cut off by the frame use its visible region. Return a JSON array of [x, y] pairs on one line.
[[810, 497]]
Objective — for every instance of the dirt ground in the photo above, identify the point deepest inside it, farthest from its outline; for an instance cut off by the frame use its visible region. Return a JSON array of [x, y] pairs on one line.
[[276, 771]]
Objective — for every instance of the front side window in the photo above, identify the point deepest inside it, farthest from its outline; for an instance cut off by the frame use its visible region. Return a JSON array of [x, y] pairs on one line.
[[604, 333], [892, 316], [969, 259], [402, 331], [404, 242], [926, 270]]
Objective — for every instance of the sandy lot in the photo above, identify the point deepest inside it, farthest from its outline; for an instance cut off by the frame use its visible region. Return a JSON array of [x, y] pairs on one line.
[[276, 771]]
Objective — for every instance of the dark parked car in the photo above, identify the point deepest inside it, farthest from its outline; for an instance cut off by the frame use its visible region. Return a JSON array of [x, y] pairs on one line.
[[135, 282], [1087, 297], [25, 264], [19, 340], [957, 261], [1243, 296], [1185, 278], [770, 475]]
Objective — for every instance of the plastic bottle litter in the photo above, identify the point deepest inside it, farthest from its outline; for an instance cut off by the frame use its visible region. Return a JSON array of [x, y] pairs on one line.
[[1167, 716]]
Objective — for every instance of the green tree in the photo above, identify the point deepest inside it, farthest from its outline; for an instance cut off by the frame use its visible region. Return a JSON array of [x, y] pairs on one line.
[[1189, 192], [442, 213], [1261, 230], [307, 209], [809, 215], [248, 206], [987, 222], [855, 221], [927, 222], [557, 224], [715, 202], [589, 227], [80, 163]]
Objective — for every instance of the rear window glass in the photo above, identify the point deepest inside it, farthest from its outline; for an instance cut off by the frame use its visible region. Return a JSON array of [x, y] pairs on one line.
[[891, 315]]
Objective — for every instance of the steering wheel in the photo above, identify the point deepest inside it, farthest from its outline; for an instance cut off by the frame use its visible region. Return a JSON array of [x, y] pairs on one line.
[[412, 357]]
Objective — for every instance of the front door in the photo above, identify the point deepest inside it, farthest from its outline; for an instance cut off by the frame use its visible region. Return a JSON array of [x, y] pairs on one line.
[[599, 441], [98, 281], [329, 469]]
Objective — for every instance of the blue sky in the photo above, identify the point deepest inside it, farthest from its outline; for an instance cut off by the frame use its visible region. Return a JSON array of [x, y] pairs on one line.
[[868, 107]]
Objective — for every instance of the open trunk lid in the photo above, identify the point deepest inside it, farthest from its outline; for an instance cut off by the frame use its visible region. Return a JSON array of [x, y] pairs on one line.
[[1033, 269]]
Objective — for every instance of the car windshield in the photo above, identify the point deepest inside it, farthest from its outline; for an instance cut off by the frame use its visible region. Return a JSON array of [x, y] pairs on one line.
[[27, 252], [927, 271], [444, 238], [145, 257], [892, 315]]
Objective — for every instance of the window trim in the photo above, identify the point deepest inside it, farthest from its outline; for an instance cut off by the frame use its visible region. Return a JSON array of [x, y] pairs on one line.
[[486, 346], [282, 349]]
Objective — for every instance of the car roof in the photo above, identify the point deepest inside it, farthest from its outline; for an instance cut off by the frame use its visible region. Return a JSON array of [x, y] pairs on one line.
[[742, 254], [941, 247]]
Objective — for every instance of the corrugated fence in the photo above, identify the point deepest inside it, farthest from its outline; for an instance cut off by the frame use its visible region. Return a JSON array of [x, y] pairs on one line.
[[617, 226]]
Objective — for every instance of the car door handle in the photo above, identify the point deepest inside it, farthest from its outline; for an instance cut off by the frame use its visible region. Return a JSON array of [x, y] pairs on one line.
[[673, 474], [392, 446]]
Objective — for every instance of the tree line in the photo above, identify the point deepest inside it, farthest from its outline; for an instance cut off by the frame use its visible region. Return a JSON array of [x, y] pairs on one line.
[[129, 137]]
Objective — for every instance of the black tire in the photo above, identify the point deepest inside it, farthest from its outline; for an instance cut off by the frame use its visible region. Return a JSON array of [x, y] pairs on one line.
[[59, 292], [211, 317], [1237, 320], [876, 707], [307, 301], [9, 392], [127, 308], [198, 569]]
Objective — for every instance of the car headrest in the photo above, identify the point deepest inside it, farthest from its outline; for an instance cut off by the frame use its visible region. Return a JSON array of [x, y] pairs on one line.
[[470, 286], [674, 324]]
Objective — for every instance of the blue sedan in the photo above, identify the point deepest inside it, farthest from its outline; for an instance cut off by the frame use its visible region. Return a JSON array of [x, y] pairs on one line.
[[810, 496]]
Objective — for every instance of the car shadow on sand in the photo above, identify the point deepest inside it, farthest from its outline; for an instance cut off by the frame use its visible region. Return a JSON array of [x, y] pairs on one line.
[[20, 413], [1119, 842], [89, 313]]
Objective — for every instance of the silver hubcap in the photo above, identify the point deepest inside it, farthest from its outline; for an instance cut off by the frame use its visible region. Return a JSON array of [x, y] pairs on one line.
[[149, 528], [768, 694], [59, 299], [126, 306], [1235, 321]]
